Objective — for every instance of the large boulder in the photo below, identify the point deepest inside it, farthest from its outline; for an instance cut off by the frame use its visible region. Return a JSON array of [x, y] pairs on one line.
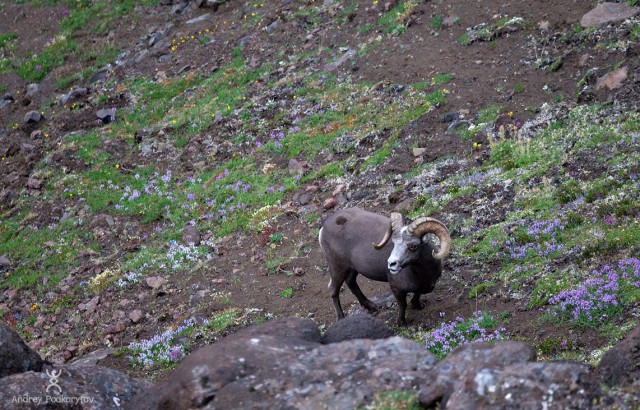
[[608, 12], [205, 374], [282, 364], [15, 355], [619, 366], [504, 376], [67, 387]]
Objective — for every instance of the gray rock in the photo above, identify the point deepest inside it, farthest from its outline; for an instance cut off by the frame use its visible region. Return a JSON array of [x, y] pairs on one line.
[[561, 385], [191, 235], [357, 326], [471, 359], [608, 12], [136, 315], [32, 117], [91, 359], [343, 58], [179, 7], [155, 282], [303, 198], [34, 183], [32, 89], [15, 355], [4, 262], [73, 94], [106, 115], [81, 387], [199, 19]]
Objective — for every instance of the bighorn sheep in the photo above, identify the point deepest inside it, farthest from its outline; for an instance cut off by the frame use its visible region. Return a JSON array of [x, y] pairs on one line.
[[408, 262]]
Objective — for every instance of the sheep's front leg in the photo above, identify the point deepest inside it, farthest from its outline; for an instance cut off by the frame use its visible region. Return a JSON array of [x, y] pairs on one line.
[[415, 302], [355, 289], [401, 298]]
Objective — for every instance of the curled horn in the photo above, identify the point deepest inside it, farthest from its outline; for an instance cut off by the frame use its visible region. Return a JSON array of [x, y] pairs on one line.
[[425, 225], [394, 225]]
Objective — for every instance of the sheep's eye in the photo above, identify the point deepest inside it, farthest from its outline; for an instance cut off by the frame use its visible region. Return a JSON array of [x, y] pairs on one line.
[[413, 246]]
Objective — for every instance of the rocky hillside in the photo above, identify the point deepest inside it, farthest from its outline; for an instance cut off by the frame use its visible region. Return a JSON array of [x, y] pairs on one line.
[[166, 165]]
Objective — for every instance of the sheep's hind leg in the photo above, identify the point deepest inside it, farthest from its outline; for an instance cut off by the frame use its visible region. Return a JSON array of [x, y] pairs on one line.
[[355, 289], [415, 302], [334, 286]]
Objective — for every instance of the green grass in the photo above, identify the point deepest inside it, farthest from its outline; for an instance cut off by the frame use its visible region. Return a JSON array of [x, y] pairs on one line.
[[6, 38], [436, 22], [394, 400], [393, 22]]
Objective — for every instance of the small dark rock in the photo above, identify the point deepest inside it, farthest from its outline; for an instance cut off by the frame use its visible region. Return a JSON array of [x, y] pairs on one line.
[[450, 117], [191, 235]]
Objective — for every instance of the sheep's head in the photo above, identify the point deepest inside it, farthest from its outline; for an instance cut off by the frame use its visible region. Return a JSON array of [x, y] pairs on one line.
[[407, 240]]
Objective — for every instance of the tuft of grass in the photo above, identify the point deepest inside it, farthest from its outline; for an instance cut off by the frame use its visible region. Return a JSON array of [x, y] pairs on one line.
[[436, 22], [6, 38], [394, 21], [394, 400], [287, 293]]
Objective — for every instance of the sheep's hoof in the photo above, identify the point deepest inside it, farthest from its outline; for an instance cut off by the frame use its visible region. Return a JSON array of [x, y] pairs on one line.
[[372, 308], [417, 305], [402, 322]]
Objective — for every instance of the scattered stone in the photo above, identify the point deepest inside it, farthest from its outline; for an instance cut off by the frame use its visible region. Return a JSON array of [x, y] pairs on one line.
[[330, 203], [404, 205], [33, 117], [32, 89], [450, 117], [6, 100], [34, 183], [106, 115], [15, 355], [26, 147], [303, 198], [544, 25], [338, 190], [91, 306], [179, 7], [297, 167], [115, 328], [272, 26], [613, 80], [608, 12], [155, 282], [418, 152], [204, 17], [345, 57], [101, 75], [183, 69], [191, 235], [449, 21], [73, 94], [4, 262], [91, 359]]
